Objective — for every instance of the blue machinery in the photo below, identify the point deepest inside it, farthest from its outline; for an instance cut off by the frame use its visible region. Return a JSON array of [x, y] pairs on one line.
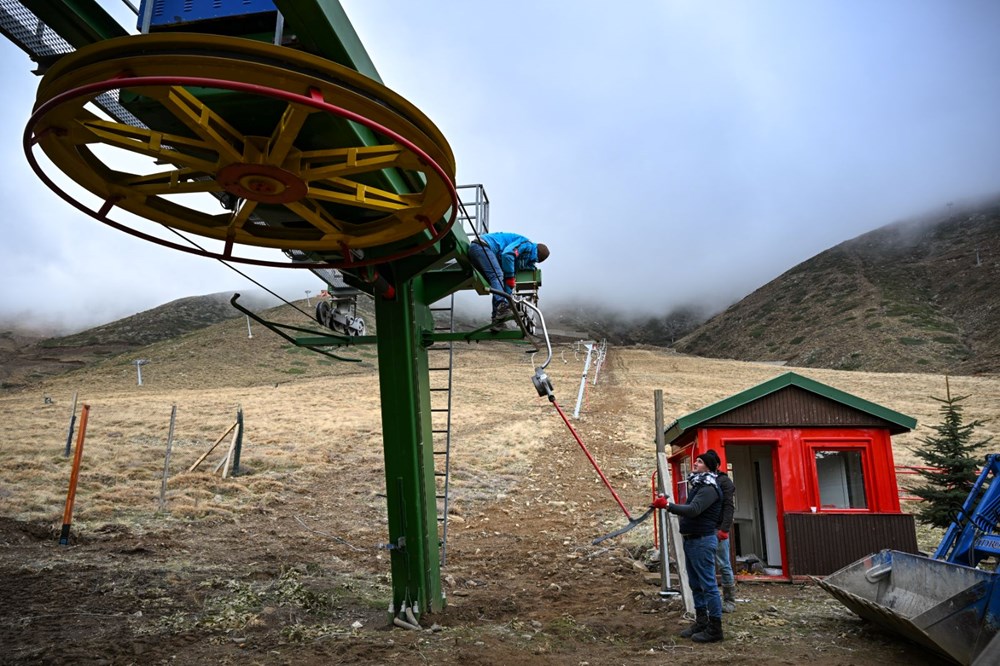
[[264, 123], [944, 603]]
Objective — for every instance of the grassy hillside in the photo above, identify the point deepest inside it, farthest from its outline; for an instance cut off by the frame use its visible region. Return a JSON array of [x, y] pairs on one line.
[[117, 344], [913, 297]]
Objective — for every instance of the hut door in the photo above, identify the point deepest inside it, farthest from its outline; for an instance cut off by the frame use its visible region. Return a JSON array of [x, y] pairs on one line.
[[756, 516], [768, 510]]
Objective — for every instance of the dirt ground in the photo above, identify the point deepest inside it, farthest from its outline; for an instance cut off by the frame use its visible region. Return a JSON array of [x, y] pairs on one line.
[[282, 565]]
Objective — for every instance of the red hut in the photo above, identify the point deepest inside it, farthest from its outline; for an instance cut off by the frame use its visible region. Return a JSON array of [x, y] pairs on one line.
[[815, 479]]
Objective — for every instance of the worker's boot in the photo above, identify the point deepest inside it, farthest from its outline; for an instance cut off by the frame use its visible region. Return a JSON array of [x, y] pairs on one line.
[[700, 623], [712, 633], [728, 598], [500, 317]]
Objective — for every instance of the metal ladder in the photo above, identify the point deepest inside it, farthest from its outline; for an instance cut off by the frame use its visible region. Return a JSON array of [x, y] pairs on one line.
[[440, 363], [473, 215]]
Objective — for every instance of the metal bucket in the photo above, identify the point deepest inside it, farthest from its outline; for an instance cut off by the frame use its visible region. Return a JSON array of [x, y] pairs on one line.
[[949, 608]]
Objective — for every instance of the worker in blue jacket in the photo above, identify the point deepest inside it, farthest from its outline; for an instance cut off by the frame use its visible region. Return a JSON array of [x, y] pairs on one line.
[[498, 256]]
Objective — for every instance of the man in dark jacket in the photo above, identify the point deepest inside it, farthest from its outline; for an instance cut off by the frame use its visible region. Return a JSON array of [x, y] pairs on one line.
[[722, 561], [699, 522]]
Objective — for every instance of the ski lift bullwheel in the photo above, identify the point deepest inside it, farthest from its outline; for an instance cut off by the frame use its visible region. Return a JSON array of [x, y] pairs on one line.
[[306, 154]]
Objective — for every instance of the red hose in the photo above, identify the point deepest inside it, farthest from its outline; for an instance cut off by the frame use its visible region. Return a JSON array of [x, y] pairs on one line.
[[591, 459]]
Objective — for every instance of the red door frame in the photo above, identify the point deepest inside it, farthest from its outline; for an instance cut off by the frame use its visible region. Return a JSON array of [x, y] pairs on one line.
[[794, 465]]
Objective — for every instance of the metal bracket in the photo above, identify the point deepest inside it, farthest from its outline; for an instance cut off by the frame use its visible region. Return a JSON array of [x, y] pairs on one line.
[[276, 328], [543, 384], [399, 545]]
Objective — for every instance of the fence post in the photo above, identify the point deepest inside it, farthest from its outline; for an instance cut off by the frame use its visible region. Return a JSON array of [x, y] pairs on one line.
[[239, 440], [601, 353], [72, 424], [669, 533], [139, 362], [583, 381], [166, 459]]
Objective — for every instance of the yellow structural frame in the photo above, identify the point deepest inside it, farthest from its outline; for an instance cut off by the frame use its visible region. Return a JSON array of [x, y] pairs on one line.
[[270, 169]]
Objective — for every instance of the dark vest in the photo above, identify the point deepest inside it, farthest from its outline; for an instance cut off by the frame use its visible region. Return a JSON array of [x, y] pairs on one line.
[[707, 521]]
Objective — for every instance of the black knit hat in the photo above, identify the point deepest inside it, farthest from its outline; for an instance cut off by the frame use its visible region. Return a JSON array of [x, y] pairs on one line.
[[711, 460]]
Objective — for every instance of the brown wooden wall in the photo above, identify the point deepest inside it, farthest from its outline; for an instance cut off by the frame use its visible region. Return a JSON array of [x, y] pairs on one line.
[[818, 544], [793, 406]]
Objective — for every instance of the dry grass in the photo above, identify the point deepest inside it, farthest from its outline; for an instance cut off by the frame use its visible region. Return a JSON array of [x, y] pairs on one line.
[[288, 558], [324, 429]]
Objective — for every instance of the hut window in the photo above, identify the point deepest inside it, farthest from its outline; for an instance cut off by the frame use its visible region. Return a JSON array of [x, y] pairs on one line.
[[841, 479], [685, 466]]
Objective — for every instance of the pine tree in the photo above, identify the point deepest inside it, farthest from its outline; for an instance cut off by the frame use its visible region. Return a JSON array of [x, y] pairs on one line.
[[949, 454]]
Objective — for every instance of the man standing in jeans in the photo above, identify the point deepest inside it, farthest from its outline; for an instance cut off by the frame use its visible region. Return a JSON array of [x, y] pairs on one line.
[[722, 560], [699, 521]]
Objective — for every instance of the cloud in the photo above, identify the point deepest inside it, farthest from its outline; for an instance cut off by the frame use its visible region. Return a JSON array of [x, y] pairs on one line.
[[667, 152]]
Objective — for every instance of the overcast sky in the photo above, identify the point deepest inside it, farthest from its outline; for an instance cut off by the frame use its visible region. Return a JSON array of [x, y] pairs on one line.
[[667, 152]]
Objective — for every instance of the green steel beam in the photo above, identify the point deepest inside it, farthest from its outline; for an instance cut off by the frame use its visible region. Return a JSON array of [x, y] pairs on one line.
[[407, 441], [433, 258], [79, 22], [426, 337], [479, 335], [336, 341], [442, 283], [323, 28]]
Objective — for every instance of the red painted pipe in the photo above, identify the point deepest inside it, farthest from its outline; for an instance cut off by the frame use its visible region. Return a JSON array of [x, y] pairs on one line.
[[74, 477], [592, 461], [380, 285]]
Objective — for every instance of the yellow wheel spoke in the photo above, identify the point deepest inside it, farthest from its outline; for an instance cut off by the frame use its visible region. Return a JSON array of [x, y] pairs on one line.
[[242, 214], [361, 196], [286, 132], [314, 215], [224, 139], [179, 181], [322, 165], [147, 142]]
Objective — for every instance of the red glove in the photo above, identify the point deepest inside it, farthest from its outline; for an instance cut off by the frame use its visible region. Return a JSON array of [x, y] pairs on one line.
[[660, 502], [510, 282], [722, 535]]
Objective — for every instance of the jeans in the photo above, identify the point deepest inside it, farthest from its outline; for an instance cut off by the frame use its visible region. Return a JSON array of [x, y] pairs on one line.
[[723, 564], [700, 555], [486, 263]]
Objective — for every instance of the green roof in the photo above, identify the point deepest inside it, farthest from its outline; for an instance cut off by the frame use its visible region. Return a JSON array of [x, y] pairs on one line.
[[681, 425]]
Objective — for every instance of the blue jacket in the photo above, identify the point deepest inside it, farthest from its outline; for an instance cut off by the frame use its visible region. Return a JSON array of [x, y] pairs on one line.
[[514, 252]]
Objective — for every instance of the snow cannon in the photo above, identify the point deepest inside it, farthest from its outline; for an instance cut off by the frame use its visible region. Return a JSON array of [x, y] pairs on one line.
[[947, 603]]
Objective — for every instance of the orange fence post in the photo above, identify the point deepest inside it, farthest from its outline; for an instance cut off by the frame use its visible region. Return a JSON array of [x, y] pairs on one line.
[[73, 477]]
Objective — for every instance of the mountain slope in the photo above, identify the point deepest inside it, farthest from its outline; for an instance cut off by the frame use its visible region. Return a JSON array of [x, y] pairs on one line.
[[909, 297], [160, 323], [23, 358]]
